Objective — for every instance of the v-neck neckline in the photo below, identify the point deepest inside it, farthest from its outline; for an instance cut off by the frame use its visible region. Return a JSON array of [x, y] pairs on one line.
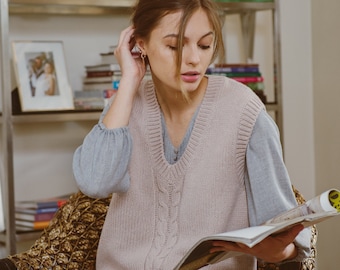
[[154, 127]]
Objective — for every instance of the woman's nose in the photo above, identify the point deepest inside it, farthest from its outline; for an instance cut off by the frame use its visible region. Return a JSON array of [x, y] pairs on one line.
[[191, 54]]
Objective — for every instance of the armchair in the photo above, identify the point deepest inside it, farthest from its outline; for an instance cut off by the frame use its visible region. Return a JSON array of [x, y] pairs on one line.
[[71, 240]]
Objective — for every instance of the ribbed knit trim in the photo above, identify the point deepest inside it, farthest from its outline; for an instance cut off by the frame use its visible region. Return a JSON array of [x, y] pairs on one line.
[[155, 132], [248, 119]]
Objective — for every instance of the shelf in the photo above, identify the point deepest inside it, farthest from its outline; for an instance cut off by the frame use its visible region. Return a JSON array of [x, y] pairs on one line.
[[22, 236], [241, 7], [72, 7], [271, 106], [69, 116], [56, 117], [66, 116], [102, 7]]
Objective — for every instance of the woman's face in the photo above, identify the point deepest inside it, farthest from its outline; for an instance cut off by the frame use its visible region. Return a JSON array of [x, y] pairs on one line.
[[48, 68], [197, 51]]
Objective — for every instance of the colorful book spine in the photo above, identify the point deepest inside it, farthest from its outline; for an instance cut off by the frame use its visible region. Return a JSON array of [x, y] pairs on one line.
[[43, 204], [33, 225], [238, 69], [248, 79], [35, 217], [248, 74]]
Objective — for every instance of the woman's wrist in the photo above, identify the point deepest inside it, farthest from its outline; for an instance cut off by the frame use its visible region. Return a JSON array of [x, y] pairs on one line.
[[291, 251]]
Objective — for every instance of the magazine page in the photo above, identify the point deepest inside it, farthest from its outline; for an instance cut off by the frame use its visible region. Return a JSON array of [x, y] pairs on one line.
[[316, 210], [328, 201]]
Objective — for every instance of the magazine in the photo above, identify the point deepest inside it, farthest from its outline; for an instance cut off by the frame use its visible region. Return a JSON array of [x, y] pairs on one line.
[[316, 210]]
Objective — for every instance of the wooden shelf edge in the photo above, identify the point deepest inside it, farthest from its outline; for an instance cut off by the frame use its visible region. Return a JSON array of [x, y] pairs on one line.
[[272, 106], [55, 117], [102, 7], [22, 236]]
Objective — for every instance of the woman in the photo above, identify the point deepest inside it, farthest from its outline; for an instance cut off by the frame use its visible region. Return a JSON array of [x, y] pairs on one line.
[[46, 83], [185, 155]]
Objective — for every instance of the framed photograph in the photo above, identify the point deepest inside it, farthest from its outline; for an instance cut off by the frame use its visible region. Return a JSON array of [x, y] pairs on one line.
[[41, 75]]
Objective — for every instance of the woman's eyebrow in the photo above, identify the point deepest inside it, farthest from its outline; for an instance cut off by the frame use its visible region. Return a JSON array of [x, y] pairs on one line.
[[176, 35]]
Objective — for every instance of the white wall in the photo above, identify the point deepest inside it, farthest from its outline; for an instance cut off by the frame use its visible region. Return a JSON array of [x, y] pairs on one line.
[[297, 90], [311, 67], [326, 70]]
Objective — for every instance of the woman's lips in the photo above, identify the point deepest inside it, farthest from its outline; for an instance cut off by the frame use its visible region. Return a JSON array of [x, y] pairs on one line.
[[190, 77]]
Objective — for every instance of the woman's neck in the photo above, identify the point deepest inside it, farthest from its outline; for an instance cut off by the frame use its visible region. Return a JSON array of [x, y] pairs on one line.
[[178, 111]]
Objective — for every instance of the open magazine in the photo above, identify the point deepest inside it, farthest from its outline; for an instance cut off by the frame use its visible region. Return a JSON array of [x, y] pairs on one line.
[[318, 209]]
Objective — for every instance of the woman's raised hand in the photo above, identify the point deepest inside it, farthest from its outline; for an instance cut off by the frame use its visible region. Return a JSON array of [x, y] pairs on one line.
[[132, 66], [133, 70]]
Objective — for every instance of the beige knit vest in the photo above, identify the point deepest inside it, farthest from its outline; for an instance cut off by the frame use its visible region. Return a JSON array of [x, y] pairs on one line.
[[169, 207]]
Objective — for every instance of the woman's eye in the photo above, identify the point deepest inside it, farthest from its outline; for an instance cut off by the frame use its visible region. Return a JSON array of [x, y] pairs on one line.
[[204, 47], [174, 48]]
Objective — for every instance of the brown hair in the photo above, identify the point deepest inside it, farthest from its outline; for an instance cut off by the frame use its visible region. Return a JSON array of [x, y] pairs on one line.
[[148, 13]]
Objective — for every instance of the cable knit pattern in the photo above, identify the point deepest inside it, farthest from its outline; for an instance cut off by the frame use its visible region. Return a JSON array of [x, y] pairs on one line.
[[169, 207]]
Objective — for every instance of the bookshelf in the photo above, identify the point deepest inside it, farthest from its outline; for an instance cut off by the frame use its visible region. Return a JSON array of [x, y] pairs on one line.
[[246, 10]]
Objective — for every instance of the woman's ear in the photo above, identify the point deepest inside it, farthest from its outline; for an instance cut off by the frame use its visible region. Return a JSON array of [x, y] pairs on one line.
[[140, 44]]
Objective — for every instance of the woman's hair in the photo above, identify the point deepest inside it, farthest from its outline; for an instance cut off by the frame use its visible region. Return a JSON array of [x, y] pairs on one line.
[[148, 13]]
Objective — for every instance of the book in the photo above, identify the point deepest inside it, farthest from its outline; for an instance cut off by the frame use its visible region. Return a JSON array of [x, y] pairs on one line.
[[255, 86], [54, 202], [243, 74], [105, 73], [103, 79], [248, 79], [31, 225], [316, 210], [236, 65], [33, 211], [232, 1], [34, 216], [229, 69], [108, 58], [92, 99], [101, 86], [107, 93], [103, 67]]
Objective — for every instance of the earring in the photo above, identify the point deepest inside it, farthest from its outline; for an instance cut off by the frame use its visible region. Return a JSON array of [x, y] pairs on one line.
[[142, 56]]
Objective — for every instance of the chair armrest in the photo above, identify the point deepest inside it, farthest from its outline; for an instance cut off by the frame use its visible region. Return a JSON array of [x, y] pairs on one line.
[[71, 240]]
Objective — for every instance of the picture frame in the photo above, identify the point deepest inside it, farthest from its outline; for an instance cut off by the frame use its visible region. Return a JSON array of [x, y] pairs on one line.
[[41, 74]]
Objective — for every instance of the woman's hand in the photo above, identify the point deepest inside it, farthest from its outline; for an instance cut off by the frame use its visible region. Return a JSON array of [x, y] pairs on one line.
[[133, 70], [273, 249], [132, 66]]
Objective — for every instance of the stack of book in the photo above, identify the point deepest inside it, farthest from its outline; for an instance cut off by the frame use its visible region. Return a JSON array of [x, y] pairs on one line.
[[101, 81], [228, 1], [92, 99], [108, 57], [36, 215], [102, 77], [248, 74]]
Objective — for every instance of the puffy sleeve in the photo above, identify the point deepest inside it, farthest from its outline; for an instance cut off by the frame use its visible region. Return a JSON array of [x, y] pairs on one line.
[[268, 185], [100, 164]]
